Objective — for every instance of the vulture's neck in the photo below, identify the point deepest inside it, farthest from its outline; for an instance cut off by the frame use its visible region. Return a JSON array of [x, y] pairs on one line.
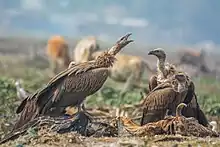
[[161, 66]]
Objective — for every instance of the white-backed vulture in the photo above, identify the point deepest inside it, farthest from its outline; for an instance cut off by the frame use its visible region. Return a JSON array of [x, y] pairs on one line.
[[70, 87], [164, 71], [165, 96]]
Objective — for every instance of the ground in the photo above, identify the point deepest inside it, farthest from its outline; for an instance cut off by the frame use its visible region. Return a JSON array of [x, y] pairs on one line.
[[34, 72], [72, 140]]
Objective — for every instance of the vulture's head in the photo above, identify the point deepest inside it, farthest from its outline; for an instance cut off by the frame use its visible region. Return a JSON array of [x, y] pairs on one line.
[[179, 82], [18, 83], [158, 52], [107, 58]]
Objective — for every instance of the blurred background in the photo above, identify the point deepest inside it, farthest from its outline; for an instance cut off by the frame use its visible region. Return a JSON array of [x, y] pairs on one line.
[[188, 31], [171, 22]]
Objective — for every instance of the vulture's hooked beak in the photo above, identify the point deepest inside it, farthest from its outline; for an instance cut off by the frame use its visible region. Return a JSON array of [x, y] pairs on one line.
[[151, 53]]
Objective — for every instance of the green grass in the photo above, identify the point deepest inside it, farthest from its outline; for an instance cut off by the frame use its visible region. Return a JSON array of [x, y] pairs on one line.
[[37, 75], [208, 91]]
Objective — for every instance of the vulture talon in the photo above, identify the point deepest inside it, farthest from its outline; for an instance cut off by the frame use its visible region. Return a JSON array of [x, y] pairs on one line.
[[79, 123]]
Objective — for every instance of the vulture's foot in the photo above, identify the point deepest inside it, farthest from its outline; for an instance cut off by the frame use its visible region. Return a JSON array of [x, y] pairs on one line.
[[79, 124], [75, 115]]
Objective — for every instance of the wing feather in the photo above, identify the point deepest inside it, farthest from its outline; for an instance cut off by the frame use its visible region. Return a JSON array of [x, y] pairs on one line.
[[81, 85], [156, 104], [55, 82], [152, 82], [74, 70]]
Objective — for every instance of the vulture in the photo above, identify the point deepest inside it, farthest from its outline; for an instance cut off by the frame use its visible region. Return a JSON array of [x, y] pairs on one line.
[[70, 87], [164, 71], [167, 95], [21, 93]]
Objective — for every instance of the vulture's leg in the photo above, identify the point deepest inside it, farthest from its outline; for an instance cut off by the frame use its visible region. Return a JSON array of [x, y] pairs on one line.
[[79, 120], [79, 123], [86, 112], [80, 109]]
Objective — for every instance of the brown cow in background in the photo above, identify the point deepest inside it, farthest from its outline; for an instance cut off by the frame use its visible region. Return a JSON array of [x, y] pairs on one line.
[[58, 53], [195, 58], [129, 70]]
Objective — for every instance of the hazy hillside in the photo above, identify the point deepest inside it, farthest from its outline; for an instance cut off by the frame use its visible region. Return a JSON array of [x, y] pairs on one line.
[[151, 21]]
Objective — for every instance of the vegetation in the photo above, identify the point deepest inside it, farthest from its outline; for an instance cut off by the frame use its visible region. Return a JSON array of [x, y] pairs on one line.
[[208, 91]]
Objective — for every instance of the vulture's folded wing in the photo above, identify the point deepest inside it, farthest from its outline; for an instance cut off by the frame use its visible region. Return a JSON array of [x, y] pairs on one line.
[[156, 104]]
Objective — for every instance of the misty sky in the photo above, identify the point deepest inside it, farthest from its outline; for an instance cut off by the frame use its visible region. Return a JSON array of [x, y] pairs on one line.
[[150, 21]]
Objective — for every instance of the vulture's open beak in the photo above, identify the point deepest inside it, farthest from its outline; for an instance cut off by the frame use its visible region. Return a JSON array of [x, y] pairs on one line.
[[122, 42]]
